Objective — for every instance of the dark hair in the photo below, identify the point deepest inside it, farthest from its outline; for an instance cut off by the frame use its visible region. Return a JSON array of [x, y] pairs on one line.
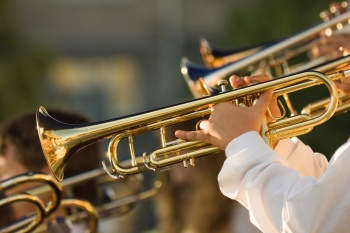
[[21, 132]]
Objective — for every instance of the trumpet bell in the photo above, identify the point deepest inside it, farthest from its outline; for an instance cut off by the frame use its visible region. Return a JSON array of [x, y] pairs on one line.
[[57, 147]]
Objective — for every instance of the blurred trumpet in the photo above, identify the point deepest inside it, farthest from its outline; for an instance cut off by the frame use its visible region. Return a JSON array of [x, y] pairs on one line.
[[60, 141], [44, 215], [215, 56], [316, 108], [31, 222], [88, 211], [111, 189], [276, 59]]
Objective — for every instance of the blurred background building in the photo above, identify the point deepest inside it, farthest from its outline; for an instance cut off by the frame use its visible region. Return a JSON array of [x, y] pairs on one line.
[[110, 58]]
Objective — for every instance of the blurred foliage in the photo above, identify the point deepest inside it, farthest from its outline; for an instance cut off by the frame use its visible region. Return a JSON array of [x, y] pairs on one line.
[[255, 22], [21, 68]]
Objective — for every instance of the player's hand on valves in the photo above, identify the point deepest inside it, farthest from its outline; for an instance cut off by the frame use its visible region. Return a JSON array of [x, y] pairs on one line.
[[237, 82], [228, 121]]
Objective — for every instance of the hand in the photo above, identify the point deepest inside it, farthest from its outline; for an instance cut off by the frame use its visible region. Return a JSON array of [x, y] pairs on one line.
[[343, 87], [237, 82], [335, 46], [228, 121]]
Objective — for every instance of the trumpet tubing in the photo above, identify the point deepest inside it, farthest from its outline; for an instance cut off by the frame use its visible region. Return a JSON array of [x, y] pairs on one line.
[[105, 182], [316, 108], [35, 222], [43, 211], [60, 141]]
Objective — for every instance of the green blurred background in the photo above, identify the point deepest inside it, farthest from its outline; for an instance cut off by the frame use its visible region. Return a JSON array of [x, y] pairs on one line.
[[57, 53], [112, 58]]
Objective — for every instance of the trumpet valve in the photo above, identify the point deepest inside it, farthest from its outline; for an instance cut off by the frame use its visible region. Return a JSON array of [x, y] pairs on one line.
[[188, 162], [222, 84]]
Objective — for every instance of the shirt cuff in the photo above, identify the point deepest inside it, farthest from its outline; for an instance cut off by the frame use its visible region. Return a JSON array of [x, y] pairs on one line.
[[242, 142]]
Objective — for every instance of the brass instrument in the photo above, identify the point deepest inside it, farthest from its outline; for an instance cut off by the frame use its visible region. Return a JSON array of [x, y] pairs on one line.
[[60, 140], [88, 212], [50, 185], [276, 60], [105, 182], [35, 222], [316, 108], [214, 56], [43, 210]]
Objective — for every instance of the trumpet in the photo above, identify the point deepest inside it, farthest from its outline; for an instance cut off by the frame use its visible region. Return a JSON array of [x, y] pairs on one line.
[[35, 222], [280, 58], [114, 205], [215, 56], [105, 182], [42, 210], [316, 108], [60, 140], [88, 212]]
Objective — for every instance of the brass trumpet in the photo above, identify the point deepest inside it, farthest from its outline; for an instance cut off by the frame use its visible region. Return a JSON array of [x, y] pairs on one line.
[[43, 211], [34, 222], [280, 58], [316, 108], [105, 182], [60, 140], [215, 56], [88, 212]]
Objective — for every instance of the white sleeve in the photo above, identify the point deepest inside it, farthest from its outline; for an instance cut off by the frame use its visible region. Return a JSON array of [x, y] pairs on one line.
[[280, 199], [301, 157]]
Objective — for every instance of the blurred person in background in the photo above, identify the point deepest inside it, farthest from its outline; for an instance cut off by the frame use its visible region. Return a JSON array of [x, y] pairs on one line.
[[20, 152]]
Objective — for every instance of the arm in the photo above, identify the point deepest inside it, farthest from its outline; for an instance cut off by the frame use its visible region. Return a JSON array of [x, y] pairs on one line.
[[301, 157], [278, 198]]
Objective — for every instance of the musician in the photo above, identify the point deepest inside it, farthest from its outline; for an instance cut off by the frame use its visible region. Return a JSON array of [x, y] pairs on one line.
[[192, 202], [313, 197], [20, 152]]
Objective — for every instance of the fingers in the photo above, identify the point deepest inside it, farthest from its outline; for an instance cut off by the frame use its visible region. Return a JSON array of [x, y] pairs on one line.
[[343, 88], [264, 101], [327, 49], [237, 81], [257, 78], [198, 135], [335, 46]]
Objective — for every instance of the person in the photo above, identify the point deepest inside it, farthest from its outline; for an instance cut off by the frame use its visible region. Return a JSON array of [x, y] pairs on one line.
[[288, 188], [20, 152], [186, 205]]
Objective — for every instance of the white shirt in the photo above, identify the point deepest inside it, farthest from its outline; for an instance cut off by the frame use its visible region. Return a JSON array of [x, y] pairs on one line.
[[313, 198]]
